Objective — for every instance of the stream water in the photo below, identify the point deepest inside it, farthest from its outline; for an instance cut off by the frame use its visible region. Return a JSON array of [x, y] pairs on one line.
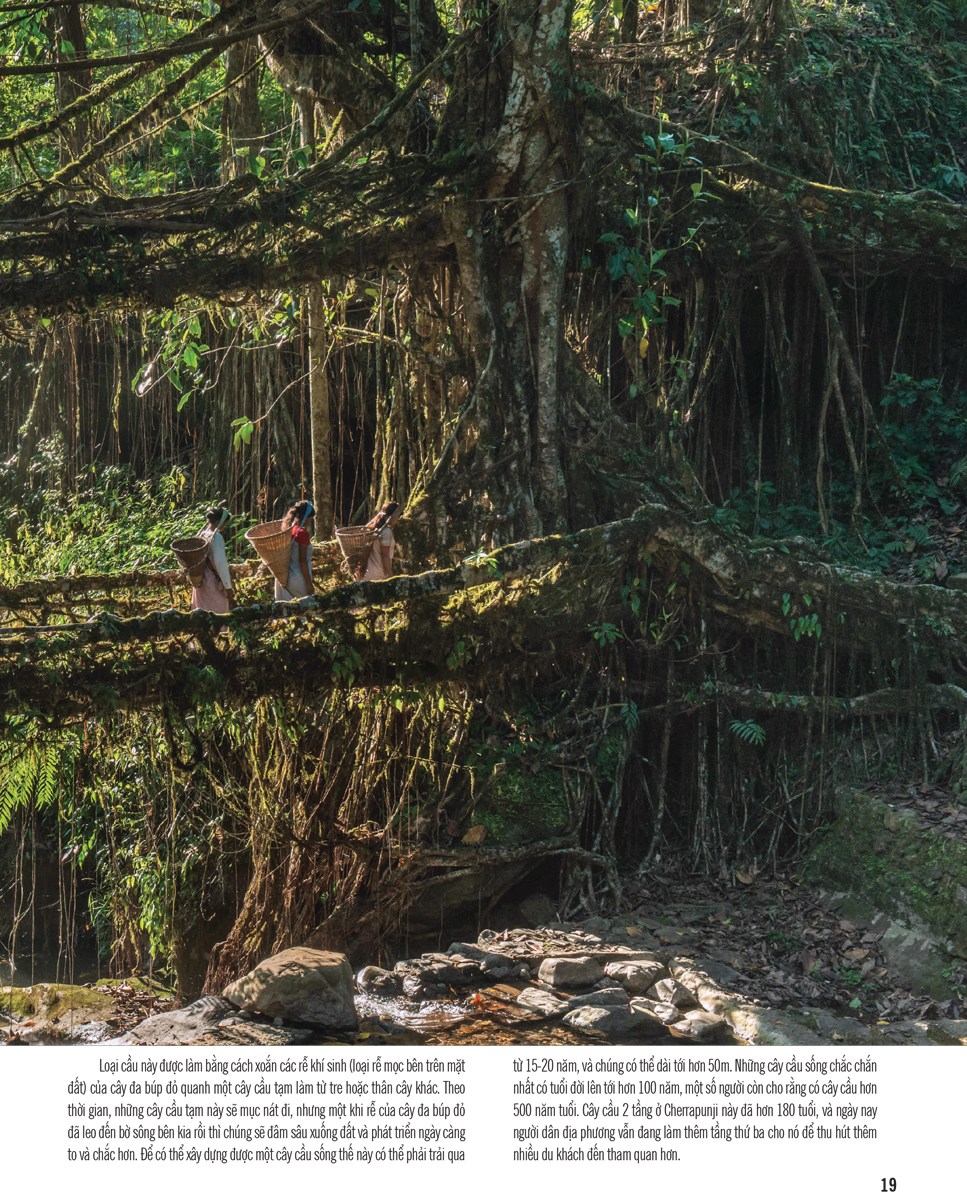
[[27, 969]]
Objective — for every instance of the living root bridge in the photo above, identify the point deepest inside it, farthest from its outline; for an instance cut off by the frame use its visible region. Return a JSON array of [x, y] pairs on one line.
[[529, 603]]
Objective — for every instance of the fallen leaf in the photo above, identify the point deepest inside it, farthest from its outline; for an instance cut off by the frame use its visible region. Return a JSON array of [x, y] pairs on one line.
[[474, 836]]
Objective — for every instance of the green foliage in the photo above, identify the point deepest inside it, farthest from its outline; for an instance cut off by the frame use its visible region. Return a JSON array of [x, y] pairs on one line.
[[745, 82], [30, 773], [481, 560], [922, 427], [114, 523], [605, 634], [652, 229], [464, 650], [887, 91], [748, 731], [926, 432]]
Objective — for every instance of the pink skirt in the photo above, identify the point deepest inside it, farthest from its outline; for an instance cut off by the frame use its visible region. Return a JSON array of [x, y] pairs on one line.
[[211, 596]]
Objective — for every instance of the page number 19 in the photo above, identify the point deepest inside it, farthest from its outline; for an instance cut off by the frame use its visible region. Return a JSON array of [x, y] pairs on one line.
[[887, 1185]]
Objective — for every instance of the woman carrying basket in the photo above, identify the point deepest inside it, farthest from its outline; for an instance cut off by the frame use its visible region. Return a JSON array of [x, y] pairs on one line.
[[214, 593], [299, 583], [380, 562]]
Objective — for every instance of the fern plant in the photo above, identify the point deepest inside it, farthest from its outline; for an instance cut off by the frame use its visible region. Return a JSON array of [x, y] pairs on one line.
[[748, 731], [31, 773]]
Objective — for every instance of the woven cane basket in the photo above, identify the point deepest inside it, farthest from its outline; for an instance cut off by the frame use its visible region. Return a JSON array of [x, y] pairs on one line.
[[273, 545], [192, 555], [355, 542]]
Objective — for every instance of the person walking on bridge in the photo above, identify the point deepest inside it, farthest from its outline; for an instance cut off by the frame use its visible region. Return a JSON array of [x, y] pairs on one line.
[[380, 562], [299, 520], [214, 594]]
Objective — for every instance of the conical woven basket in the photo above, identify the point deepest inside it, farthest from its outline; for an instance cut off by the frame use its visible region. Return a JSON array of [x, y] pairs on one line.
[[355, 542], [273, 545], [192, 555]]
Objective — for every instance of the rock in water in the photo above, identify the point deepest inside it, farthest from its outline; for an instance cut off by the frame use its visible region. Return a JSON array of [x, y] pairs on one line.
[[302, 985], [377, 982]]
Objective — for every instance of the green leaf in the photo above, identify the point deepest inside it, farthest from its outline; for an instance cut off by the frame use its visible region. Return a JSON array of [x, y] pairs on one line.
[[748, 731], [244, 432]]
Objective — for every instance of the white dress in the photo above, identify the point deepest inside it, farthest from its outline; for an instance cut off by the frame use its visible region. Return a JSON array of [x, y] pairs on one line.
[[212, 594], [296, 585], [375, 568]]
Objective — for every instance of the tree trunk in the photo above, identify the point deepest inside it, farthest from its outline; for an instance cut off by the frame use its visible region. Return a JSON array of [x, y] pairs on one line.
[[512, 238], [242, 118], [69, 28], [30, 429]]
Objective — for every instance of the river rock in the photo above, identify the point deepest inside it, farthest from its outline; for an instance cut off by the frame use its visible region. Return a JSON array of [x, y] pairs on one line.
[[569, 973], [636, 977], [231, 1032], [377, 982], [699, 1025], [179, 1027], [604, 1020], [607, 997], [670, 991], [494, 966], [542, 1002], [719, 971], [665, 1014], [301, 985], [451, 970], [414, 988]]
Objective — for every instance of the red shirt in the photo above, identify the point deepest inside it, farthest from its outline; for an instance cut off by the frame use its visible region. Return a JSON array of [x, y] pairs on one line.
[[301, 537]]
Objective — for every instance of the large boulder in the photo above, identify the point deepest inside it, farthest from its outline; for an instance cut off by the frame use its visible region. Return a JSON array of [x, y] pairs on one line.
[[301, 985]]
